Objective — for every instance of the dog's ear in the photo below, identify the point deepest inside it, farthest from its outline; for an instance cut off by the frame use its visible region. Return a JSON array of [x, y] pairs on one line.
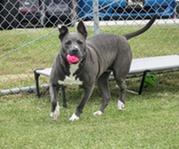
[[63, 31], [82, 29]]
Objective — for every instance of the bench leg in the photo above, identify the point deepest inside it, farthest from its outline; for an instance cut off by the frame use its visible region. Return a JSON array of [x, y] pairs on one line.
[[36, 76], [63, 96], [142, 82]]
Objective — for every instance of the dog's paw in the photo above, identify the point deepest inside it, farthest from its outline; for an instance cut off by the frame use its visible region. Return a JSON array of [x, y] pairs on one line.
[[120, 105], [54, 115], [98, 113], [74, 117]]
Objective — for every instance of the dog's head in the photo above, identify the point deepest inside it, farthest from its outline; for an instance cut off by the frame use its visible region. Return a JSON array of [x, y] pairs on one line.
[[73, 44]]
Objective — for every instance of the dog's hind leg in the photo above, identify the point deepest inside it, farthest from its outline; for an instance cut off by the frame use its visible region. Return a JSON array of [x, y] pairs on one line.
[[103, 86], [121, 69], [54, 89], [121, 100]]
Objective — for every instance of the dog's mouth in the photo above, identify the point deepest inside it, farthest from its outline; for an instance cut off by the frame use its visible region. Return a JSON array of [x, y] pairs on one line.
[[72, 59]]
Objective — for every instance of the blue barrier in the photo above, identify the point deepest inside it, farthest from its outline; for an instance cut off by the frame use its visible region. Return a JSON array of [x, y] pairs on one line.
[[110, 9]]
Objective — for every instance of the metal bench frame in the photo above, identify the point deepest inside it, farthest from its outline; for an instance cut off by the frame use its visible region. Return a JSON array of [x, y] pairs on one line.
[[142, 66]]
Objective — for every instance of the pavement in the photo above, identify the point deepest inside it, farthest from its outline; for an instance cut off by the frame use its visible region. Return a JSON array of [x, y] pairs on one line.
[[134, 22]]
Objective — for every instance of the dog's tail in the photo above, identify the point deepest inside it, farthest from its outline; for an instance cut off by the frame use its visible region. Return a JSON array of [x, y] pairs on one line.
[[142, 30]]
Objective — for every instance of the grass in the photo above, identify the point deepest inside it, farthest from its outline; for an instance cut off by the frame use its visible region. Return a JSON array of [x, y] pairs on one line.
[[38, 48], [148, 121]]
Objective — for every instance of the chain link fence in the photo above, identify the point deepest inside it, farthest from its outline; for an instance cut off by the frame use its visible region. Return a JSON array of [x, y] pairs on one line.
[[29, 34]]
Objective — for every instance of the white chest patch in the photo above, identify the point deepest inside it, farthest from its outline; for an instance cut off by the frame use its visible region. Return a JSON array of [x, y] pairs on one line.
[[71, 79]]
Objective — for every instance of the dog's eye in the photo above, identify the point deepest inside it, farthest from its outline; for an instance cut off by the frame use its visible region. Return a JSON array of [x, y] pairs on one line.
[[68, 42], [79, 42]]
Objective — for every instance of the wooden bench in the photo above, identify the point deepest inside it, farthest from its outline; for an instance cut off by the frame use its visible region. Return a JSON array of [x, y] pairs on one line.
[[139, 67]]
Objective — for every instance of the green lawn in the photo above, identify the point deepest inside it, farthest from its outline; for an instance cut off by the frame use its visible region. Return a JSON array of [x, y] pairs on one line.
[[34, 48], [28, 49], [149, 121], [38, 47]]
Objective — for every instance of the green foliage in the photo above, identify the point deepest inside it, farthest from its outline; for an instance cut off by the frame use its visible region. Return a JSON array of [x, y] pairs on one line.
[[151, 81]]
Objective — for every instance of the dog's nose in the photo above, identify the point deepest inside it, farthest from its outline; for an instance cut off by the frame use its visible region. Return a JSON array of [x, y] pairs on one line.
[[75, 51]]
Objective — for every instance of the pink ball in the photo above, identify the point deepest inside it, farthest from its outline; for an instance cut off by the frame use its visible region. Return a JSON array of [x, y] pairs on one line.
[[72, 59]]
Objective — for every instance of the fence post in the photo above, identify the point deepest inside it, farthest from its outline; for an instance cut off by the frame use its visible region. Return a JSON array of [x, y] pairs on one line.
[[74, 10], [96, 17]]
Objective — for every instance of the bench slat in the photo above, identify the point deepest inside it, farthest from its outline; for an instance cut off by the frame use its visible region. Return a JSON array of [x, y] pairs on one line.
[[154, 63], [140, 65]]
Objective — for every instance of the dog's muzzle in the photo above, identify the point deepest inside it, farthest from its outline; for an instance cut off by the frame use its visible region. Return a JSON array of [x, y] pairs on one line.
[[74, 52]]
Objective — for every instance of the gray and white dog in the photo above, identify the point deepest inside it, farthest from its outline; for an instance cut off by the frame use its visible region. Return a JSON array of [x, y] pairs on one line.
[[98, 57]]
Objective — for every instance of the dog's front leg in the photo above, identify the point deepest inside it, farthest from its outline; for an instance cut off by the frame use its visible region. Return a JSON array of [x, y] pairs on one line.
[[87, 93], [54, 89]]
